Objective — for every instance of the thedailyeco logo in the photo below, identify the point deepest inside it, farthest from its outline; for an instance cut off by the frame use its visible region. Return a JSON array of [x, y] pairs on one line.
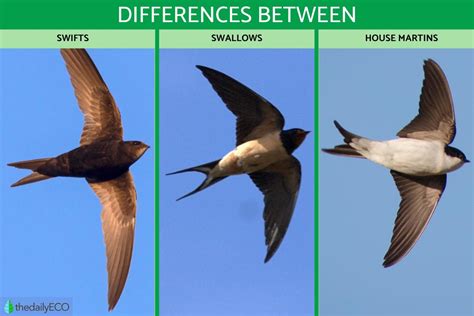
[[24, 306]]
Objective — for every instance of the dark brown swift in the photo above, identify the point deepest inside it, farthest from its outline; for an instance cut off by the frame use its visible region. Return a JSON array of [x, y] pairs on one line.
[[103, 158], [263, 151]]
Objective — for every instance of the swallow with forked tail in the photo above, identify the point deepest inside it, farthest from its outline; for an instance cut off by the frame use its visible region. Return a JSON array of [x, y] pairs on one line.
[[418, 161], [263, 151], [103, 159]]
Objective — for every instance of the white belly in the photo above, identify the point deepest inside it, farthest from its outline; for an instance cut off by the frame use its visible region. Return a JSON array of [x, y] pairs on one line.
[[410, 156], [253, 155]]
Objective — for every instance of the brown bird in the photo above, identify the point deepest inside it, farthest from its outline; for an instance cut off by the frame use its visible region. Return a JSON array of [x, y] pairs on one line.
[[263, 151], [103, 158]]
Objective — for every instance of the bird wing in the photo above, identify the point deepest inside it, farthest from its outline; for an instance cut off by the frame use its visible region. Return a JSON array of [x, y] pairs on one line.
[[101, 114], [420, 195], [280, 184], [435, 119], [256, 116], [118, 198]]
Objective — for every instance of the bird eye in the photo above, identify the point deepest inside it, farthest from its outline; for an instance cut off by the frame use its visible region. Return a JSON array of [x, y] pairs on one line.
[[136, 143]]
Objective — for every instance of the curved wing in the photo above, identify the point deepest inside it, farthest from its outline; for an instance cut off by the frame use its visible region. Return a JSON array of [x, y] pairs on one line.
[[101, 115], [435, 119], [256, 116], [420, 195], [280, 184], [118, 198]]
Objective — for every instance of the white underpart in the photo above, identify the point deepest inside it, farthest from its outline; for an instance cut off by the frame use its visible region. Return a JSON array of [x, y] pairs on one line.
[[407, 155], [252, 156]]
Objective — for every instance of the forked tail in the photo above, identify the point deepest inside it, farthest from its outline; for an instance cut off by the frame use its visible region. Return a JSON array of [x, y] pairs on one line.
[[205, 169], [344, 149], [32, 165]]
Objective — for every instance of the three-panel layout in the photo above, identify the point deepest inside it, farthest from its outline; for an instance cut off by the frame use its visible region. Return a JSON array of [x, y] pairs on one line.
[[238, 180]]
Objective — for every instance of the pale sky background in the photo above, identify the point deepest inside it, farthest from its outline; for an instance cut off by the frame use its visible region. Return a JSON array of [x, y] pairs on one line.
[[212, 244], [374, 93], [51, 235]]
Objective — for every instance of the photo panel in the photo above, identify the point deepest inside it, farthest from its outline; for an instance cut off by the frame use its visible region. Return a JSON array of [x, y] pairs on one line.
[[373, 90], [53, 247], [212, 244]]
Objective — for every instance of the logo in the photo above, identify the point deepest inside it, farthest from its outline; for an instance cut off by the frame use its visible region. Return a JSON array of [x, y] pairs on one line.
[[36, 305], [8, 308]]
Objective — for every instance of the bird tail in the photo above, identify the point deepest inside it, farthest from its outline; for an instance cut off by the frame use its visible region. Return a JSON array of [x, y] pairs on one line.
[[32, 165], [205, 169], [345, 149]]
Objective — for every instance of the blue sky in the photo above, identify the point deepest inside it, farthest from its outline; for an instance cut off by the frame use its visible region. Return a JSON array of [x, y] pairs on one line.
[[212, 244], [374, 93], [51, 236]]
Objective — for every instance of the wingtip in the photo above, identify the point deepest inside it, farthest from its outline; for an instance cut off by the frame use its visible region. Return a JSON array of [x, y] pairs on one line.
[[208, 70], [268, 256], [201, 67], [387, 264], [431, 62]]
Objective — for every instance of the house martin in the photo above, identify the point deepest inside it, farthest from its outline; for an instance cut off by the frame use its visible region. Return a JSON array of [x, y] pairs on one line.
[[263, 151], [103, 159], [418, 160]]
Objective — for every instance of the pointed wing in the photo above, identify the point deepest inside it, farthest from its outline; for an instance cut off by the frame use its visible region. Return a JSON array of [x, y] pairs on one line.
[[420, 195], [435, 119], [280, 184], [101, 115], [118, 198], [255, 115]]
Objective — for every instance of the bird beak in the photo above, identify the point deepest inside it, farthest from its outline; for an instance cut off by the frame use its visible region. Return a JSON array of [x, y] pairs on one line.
[[307, 132], [467, 160]]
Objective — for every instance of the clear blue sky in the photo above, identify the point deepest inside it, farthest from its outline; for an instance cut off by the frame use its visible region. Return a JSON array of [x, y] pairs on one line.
[[51, 235], [374, 93], [212, 244]]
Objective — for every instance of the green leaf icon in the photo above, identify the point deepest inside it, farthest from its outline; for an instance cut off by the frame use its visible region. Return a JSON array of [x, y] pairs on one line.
[[8, 307]]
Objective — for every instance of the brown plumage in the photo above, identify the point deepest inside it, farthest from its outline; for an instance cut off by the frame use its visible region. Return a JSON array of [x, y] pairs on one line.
[[103, 159]]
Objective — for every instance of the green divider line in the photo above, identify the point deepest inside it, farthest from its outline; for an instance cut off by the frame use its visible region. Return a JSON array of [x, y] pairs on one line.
[[316, 174], [77, 38], [157, 174], [236, 39], [396, 39]]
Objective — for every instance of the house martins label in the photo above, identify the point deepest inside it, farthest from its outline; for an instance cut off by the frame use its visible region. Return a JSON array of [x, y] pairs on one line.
[[408, 37]]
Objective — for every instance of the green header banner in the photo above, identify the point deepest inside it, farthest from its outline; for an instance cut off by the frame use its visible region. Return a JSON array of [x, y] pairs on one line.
[[237, 14]]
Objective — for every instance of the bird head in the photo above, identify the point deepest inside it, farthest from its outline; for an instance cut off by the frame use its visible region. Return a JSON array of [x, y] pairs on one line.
[[293, 138], [456, 153], [136, 148]]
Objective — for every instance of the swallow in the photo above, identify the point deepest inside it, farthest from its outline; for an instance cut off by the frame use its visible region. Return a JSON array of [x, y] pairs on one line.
[[418, 160], [263, 151], [103, 159]]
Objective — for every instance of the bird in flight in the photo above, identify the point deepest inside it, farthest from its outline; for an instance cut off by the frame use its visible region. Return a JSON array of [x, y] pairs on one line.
[[263, 151], [103, 159], [418, 160]]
